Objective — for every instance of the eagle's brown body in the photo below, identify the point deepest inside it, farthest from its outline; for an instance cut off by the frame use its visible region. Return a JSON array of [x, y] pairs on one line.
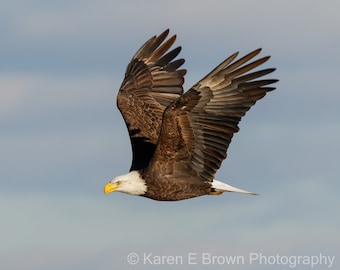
[[180, 140]]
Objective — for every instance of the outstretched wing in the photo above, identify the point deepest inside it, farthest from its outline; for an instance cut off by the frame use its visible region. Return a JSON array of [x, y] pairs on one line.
[[152, 81], [198, 127]]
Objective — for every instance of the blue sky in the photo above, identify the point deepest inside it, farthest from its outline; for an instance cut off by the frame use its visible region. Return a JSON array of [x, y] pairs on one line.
[[62, 137]]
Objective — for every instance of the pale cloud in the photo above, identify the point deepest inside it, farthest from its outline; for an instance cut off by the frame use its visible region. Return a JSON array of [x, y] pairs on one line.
[[240, 24], [34, 93], [15, 89]]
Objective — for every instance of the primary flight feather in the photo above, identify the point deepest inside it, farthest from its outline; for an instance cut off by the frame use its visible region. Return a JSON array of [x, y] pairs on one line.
[[180, 140]]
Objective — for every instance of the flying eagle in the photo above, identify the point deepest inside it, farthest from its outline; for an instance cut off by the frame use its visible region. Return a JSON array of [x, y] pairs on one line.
[[179, 140]]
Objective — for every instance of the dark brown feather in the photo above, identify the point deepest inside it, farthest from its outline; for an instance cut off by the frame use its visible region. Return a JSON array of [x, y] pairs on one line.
[[198, 127], [152, 81]]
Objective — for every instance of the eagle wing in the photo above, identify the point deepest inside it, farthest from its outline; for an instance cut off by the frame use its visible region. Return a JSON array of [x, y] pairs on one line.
[[198, 127], [152, 81]]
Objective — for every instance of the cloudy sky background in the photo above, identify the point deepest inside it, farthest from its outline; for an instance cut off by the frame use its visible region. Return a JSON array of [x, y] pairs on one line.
[[62, 138]]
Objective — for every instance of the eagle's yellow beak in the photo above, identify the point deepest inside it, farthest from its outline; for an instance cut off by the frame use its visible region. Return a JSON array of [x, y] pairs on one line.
[[109, 187]]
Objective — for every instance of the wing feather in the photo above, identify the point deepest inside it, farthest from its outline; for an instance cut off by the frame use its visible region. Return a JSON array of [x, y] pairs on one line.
[[198, 127], [152, 81]]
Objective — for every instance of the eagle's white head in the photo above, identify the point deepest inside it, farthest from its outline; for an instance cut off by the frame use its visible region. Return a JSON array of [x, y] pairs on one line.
[[131, 183]]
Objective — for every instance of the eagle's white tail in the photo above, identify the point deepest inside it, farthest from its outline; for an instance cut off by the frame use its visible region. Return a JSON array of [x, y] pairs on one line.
[[223, 187]]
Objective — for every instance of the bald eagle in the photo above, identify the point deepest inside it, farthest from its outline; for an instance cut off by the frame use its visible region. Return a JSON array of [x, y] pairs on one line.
[[179, 140]]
